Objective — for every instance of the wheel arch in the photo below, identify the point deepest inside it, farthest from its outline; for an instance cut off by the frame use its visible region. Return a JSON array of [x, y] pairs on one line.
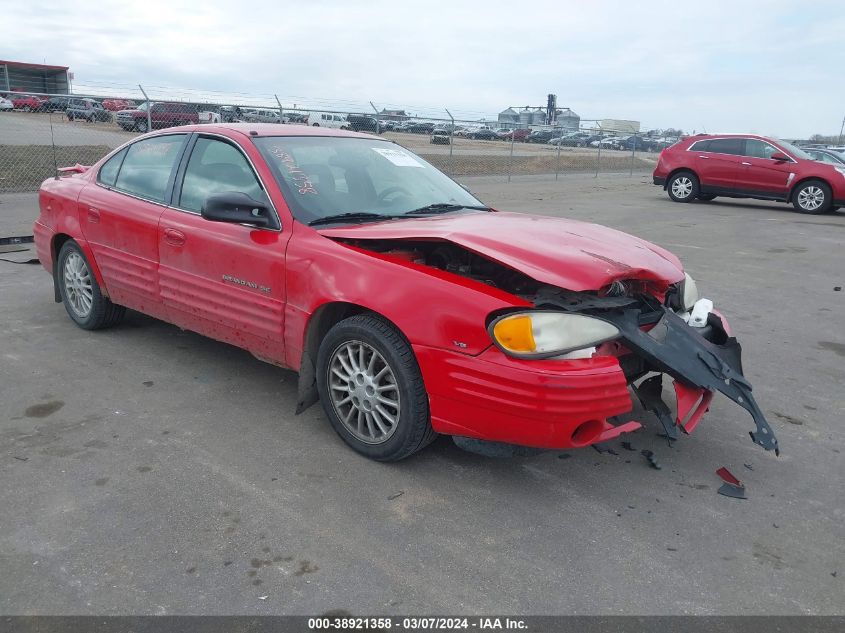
[[323, 319], [798, 184], [56, 243], [678, 170]]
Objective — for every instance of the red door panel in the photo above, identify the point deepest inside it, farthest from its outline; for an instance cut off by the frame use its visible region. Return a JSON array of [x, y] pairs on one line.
[[717, 170], [225, 281], [123, 234]]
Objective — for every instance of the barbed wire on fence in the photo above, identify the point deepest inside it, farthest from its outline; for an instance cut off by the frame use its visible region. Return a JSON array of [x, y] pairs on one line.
[[86, 125]]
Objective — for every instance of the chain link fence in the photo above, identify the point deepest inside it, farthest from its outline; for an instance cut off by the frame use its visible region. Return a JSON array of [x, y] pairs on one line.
[[39, 132]]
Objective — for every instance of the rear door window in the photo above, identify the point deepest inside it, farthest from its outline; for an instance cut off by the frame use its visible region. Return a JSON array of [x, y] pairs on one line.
[[148, 166], [735, 146]]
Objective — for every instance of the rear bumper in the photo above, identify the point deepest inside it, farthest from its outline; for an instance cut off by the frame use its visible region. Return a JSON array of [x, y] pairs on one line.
[[43, 238]]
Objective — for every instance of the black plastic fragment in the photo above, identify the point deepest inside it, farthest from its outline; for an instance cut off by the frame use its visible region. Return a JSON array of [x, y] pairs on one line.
[[650, 394], [652, 460], [604, 448], [628, 446], [731, 490]]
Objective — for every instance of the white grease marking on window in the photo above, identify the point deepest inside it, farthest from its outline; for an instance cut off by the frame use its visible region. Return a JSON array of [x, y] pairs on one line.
[[398, 157]]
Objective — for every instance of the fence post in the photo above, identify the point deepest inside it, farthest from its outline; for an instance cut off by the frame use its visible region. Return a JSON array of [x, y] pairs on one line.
[[375, 109], [510, 160], [633, 151], [281, 110], [557, 166], [149, 105], [598, 159], [451, 139]]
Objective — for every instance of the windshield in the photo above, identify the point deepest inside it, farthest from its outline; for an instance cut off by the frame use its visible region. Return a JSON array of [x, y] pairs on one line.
[[797, 152], [143, 106], [323, 176]]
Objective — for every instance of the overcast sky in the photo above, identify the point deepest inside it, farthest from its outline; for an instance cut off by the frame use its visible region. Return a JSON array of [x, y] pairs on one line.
[[772, 67]]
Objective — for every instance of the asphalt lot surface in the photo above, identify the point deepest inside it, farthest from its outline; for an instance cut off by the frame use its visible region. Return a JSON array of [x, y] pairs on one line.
[[149, 470]]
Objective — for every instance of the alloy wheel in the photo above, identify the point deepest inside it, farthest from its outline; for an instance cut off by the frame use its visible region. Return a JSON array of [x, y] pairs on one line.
[[78, 285], [811, 198], [682, 187], [363, 392]]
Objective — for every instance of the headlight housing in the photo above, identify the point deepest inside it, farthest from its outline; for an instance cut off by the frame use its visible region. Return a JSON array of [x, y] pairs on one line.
[[538, 334], [689, 293]]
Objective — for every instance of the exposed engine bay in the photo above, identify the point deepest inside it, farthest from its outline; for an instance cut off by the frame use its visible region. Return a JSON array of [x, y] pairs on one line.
[[654, 335], [454, 259]]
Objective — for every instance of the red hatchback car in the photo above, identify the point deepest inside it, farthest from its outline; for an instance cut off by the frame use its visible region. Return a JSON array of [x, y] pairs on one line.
[[746, 166], [407, 306]]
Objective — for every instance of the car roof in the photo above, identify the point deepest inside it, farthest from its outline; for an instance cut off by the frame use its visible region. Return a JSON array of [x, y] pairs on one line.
[[731, 135], [275, 129]]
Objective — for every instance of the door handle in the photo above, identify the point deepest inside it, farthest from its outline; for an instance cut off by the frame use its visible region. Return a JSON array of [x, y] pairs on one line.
[[704, 157], [174, 237], [93, 215], [744, 163]]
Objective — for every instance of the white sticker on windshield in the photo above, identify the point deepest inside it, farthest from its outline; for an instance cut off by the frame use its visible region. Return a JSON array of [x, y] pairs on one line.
[[398, 157]]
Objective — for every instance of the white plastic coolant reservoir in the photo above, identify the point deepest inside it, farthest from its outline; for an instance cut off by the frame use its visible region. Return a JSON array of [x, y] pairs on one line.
[[698, 315]]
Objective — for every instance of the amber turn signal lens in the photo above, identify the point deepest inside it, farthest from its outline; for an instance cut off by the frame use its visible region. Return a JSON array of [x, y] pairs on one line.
[[515, 334]]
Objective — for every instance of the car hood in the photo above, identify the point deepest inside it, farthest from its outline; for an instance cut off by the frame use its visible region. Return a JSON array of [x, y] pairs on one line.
[[564, 253], [131, 111]]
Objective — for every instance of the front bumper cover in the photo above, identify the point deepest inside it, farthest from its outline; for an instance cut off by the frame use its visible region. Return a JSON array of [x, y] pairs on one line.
[[698, 365]]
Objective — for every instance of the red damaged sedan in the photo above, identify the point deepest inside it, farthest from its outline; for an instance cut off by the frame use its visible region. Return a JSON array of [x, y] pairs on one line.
[[408, 307]]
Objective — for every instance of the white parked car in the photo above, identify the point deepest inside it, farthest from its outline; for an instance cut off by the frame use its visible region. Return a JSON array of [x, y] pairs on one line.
[[5, 104], [209, 116], [327, 119]]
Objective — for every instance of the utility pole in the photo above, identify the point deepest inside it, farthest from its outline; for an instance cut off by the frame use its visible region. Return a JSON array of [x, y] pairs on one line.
[[841, 128]]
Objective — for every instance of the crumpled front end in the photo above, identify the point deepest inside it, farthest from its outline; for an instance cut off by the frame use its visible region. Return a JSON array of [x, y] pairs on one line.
[[655, 335], [572, 399]]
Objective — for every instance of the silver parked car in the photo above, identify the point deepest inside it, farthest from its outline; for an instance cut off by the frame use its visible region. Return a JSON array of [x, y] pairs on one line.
[[260, 115], [87, 110]]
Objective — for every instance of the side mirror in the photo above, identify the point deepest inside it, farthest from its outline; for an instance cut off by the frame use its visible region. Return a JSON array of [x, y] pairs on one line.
[[235, 207], [780, 157]]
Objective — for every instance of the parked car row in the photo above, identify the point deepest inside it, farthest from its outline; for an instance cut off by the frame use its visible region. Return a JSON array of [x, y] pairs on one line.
[[35, 103]]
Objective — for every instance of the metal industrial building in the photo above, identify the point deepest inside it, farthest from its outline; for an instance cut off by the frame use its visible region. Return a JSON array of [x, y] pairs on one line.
[[535, 116], [39, 78]]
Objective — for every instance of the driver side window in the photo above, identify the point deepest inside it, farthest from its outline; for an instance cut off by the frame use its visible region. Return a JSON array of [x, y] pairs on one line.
[[216, 167]]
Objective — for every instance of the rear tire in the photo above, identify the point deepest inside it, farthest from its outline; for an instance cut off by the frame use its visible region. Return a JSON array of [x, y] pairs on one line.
[[315, 125], [813, 197], [80, 292], [683, 187], [360, 359]]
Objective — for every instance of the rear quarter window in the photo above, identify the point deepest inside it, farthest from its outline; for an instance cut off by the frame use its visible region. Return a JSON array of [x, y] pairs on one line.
[[148, 165], [109, 170]]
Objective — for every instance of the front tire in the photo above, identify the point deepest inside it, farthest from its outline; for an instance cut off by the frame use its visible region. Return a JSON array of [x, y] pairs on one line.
[[372, 390], [683, 187], [813, 197], [142, 126], [80, 292]]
